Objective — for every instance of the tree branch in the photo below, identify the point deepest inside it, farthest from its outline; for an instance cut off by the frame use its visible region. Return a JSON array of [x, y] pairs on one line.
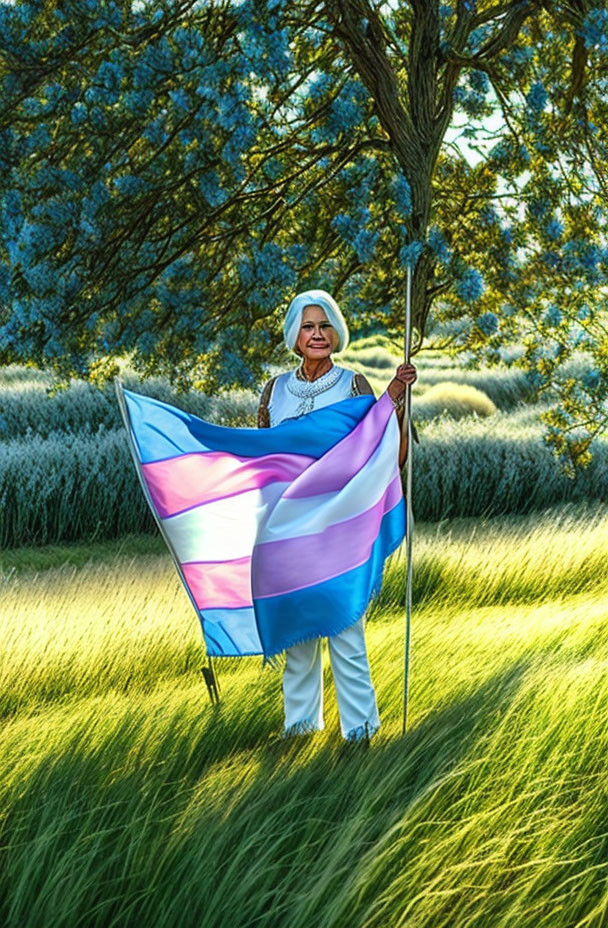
[[505, 36], [359, 27]]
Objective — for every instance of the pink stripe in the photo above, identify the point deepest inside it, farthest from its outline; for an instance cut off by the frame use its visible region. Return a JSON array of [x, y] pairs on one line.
[[340, 464], [220, 584], [192, 479], [294, 563]]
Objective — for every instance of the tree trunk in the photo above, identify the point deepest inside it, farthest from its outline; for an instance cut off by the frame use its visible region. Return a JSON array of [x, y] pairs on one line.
[[410, 124]]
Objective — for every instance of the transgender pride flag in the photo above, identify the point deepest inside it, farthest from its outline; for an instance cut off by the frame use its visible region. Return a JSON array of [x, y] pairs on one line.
[[279, 535]]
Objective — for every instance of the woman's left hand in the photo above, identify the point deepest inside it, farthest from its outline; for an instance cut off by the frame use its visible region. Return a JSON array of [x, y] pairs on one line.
[[404, 375]]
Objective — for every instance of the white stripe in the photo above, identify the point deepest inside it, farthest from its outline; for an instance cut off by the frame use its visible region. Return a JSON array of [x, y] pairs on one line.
[[293, 518], [222, 530], [228, 528]]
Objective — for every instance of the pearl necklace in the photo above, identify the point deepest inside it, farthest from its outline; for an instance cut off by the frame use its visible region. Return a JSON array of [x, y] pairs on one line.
[[308, 389]]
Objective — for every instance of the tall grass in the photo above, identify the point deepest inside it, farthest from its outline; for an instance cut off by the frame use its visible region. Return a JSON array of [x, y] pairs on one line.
[[66, 475], [127, 799], [65, 488], [453, 399], [26, 408], [496, 466], [33, 558], [555, 554]]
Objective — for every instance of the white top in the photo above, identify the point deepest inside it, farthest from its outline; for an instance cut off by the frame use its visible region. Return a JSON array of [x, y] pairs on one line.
[[293, 397]]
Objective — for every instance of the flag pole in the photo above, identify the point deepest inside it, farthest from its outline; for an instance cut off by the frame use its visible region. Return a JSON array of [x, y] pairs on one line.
[[407, 430], [209, 674]]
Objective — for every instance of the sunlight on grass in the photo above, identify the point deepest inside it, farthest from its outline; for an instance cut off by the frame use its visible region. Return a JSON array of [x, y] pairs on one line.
[[127, 799], [552, 554], [454, 399]]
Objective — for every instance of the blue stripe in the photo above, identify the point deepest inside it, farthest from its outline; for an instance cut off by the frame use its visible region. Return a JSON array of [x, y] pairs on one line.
[[162, 431], [230, 632], [328, 608]]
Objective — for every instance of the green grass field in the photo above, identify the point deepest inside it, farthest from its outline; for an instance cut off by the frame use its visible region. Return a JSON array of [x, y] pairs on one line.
[[127, 799]]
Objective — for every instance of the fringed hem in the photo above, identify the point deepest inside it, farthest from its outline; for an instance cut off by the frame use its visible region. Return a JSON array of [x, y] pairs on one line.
[[362, 733], [276, 662], [304, 727]]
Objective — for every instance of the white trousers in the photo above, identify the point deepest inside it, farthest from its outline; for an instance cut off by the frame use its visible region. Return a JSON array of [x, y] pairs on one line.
[[303, 685]]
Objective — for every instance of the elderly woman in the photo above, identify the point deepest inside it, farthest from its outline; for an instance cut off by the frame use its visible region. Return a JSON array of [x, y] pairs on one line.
[[314, 327]]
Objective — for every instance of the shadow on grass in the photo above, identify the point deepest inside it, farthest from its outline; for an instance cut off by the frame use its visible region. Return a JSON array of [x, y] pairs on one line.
[[204, 824]]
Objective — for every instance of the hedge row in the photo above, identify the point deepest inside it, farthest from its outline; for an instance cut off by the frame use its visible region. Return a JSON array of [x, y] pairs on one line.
[[27, 410], [67, 488]]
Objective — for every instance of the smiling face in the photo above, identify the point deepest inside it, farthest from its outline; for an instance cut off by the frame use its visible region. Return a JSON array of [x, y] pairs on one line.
[[317, 337]]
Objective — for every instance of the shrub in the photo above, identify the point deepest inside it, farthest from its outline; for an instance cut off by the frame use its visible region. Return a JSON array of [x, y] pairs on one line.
[[27, 409], [16, 373], [454, 399], [505, 388], [495, 466], [432, 359], [68, 488], [66, 473], [375, 341], [375, 358]]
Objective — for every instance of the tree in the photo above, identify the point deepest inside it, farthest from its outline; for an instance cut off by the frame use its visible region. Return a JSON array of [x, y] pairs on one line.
[[173, 171]]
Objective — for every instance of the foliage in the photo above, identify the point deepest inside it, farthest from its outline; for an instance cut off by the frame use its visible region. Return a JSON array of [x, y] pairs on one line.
[[82, 485], [61, 489], [27, 409], [172, 171], [506, 388], [453, 399], [127, 799]]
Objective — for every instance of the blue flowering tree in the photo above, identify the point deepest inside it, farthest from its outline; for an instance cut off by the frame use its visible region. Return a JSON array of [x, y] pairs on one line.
[[172, 171]]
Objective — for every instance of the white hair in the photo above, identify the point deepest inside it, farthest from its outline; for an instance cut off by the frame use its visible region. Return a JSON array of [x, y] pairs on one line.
[[293, 319]]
